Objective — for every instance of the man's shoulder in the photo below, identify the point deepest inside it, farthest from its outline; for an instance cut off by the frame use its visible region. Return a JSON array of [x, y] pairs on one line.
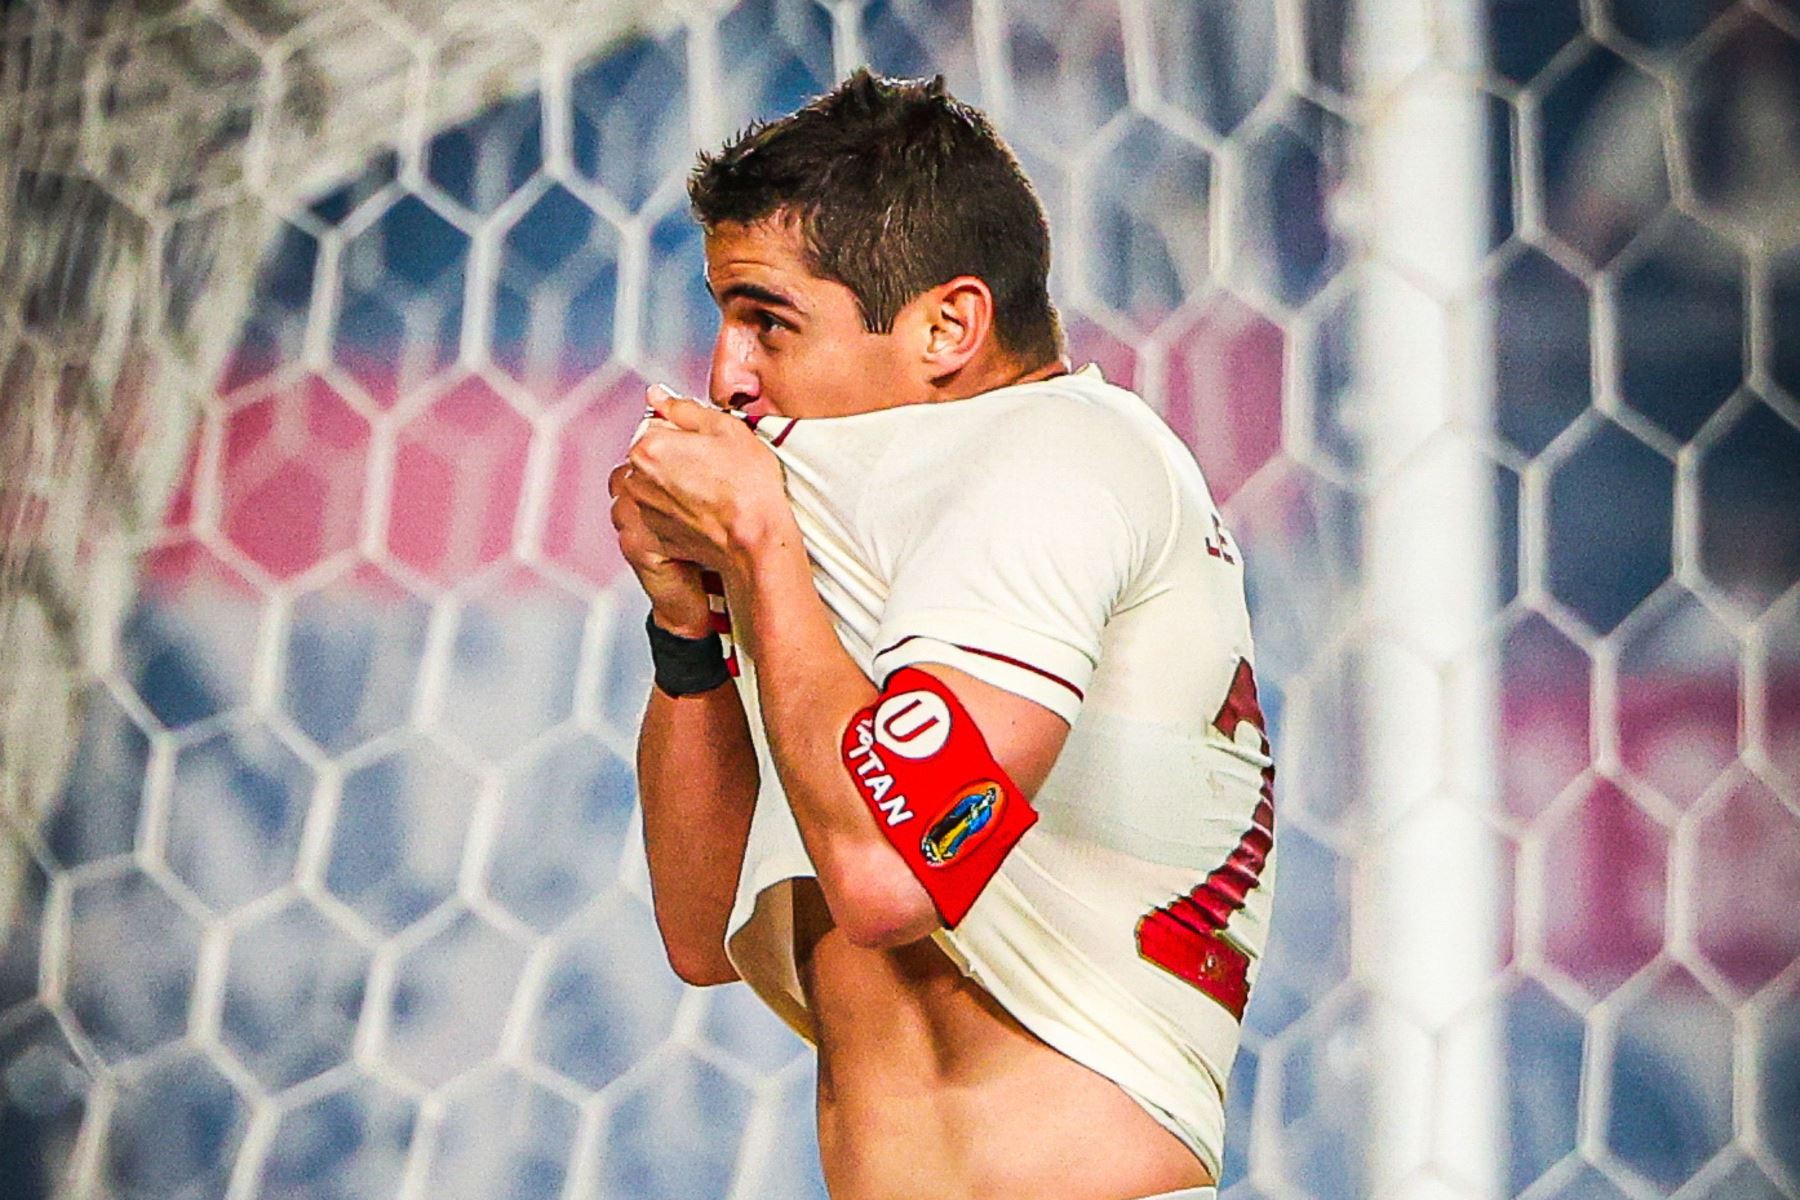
[[1030, 453], [1078, 396], [1075, 422], [1038, 455]]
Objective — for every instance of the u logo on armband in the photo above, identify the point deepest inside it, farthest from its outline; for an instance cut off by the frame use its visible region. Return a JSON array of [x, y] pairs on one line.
[[915, 753], [913, 724]]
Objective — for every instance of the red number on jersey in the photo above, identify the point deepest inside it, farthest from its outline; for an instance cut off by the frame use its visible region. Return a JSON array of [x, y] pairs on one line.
[[1220, 545], [1185, 937]]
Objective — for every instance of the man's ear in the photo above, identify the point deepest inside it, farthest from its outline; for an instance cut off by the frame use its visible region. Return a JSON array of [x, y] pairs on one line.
[[958, 320]]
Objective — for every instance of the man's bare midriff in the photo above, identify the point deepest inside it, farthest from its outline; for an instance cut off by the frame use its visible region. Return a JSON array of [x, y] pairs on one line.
[[929, 1090]]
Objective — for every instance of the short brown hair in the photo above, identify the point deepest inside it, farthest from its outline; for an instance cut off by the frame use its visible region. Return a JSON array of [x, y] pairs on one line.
[[898, 187]]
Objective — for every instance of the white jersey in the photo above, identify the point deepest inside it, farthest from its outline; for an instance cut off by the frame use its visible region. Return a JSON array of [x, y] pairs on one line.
[[1056, 540]]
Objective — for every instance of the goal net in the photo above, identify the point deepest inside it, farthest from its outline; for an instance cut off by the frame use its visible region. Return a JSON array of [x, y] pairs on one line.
[[321, 322]]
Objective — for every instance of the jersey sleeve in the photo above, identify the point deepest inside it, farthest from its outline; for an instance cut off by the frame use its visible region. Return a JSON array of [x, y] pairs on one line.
[[1029, 547]]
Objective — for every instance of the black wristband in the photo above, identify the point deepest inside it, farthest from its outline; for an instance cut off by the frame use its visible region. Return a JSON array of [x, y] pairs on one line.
[[685, 666]]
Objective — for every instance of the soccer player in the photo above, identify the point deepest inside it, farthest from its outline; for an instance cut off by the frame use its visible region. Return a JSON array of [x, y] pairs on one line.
[[986, 814]]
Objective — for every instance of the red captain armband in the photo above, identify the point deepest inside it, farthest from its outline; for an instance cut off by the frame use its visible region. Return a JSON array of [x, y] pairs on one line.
[[929, 778]]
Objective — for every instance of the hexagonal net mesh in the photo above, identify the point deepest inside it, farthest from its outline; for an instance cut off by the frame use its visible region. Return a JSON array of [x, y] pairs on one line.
[[320, 674]]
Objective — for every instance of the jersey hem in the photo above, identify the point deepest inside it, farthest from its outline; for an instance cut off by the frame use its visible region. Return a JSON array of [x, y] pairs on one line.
[[1103, 1054]]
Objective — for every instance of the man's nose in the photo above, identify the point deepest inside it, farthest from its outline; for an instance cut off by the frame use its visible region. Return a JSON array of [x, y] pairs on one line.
[[733, 381]]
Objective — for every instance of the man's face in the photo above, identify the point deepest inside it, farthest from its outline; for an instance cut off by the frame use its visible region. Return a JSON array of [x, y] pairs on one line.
[[791, 343]]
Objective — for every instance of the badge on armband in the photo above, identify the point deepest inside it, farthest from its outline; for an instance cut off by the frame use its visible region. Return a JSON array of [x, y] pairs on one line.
[[935, 789]]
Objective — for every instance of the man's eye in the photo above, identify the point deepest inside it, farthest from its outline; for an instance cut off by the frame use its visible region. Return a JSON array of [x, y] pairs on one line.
[[768, 322]]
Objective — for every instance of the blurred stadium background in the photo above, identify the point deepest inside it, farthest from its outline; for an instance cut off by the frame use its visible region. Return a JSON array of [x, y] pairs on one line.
[[322, 320]]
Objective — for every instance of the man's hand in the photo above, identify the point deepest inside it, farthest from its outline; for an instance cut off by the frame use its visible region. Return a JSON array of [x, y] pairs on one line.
[[676, 595], [704, 487]]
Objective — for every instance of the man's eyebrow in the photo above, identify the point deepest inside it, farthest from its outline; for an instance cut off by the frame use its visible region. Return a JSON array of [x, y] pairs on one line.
[[755, 291]]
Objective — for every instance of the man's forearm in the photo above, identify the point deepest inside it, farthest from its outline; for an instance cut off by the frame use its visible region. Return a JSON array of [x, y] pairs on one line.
[[808, 689], [697, 779]]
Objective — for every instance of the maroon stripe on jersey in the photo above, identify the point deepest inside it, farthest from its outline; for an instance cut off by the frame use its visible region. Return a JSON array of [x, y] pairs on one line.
[[1230, 885], [1008, 659], [754, 422], [1186, 937]]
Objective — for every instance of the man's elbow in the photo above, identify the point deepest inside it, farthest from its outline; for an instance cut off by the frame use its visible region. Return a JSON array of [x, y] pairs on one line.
[[890, 931], [701, 970], [885, 913], [696, 963]]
